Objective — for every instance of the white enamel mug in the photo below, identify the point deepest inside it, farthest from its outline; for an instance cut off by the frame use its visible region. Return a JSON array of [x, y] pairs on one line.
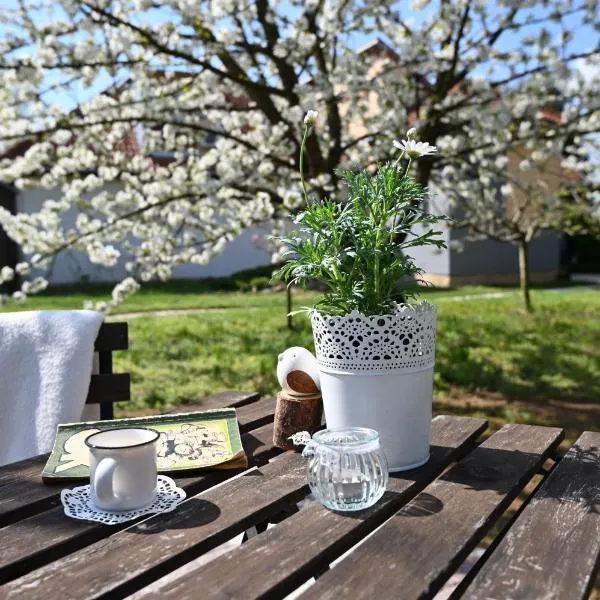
[[123, 467]]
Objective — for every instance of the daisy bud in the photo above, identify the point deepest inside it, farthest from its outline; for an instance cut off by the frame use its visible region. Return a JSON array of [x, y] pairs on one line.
[[311, 117]]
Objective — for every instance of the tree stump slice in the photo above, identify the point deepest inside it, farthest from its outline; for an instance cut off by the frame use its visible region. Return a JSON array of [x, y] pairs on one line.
[[294, 413]]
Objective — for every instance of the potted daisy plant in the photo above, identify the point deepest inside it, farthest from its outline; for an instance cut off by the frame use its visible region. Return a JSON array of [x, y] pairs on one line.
[[375, 349]]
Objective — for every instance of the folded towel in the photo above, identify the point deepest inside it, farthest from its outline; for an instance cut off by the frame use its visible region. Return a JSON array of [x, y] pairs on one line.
[[45, 368]]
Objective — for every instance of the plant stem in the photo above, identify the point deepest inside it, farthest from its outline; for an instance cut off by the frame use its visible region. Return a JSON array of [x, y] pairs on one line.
[[379, 224], [399, 158], [307, 131]]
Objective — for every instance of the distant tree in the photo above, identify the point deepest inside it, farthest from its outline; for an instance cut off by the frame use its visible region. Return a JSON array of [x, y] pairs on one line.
[[516, 207], [201, 121]]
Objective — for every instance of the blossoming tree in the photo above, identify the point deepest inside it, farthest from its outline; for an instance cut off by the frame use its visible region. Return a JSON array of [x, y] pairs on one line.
[[212, 94]]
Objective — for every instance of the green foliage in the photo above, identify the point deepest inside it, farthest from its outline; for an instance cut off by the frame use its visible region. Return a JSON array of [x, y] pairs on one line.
[[356, 248], [576, 212], [492, 360]]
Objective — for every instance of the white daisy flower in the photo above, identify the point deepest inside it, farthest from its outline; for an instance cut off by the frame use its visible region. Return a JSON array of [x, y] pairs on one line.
[[415, 149], [311, 117]]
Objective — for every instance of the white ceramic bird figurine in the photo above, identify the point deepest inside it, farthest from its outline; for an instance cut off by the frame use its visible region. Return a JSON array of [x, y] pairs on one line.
[[298, 371]]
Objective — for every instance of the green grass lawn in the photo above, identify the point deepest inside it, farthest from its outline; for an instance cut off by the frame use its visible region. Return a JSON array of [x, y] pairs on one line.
[[492, 359], [216, 293]]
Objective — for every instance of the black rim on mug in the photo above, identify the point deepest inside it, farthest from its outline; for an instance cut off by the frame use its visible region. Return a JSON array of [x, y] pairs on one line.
[[90, 444]]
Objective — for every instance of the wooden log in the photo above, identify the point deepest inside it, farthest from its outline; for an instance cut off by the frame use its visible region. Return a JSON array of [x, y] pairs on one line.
[[293, 413]]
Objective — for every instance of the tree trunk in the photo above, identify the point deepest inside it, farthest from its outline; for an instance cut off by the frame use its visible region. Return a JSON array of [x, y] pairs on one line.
[[290, 323], [524, 273], [424, 168]]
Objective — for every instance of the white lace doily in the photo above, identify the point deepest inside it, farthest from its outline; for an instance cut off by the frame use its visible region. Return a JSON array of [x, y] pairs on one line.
[[403, 340], [78, 503]]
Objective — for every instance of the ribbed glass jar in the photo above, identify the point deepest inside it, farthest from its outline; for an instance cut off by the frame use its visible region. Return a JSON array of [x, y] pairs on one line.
[[347, 469]]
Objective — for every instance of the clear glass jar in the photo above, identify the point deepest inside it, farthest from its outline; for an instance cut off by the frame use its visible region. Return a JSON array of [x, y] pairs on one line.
[[347, 469]]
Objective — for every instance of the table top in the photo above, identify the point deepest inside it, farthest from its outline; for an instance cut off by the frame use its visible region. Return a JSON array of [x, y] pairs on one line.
[[409, 545]]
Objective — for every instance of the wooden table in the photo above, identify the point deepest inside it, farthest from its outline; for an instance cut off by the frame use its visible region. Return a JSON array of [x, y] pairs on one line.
[[421, 531]]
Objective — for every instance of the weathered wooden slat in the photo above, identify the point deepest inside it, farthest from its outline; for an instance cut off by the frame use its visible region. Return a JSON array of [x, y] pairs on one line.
[[130, 559], [274, 564], [21, 490], [109, 388], [49, 535], [227, 398], [553, 549], [507, 523], [23, 494], [418, 549], [255, 415], [111, 337]]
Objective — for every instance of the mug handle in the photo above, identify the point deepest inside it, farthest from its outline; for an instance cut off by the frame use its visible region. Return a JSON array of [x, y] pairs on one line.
[[103, 480]]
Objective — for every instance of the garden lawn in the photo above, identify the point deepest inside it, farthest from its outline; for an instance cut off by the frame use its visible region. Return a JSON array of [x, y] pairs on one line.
[[492, 359], [209, 293]]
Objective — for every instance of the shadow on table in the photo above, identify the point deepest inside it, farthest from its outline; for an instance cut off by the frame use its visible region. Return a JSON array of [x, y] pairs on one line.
[[194, 512], [495, 470], [424, 505]]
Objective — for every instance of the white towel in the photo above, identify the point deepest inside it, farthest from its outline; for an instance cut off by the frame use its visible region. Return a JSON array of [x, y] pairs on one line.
[[45, 368]]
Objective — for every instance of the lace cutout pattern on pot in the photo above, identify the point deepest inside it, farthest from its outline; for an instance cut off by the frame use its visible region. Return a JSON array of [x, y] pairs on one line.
[[403, 340], [78, 503]]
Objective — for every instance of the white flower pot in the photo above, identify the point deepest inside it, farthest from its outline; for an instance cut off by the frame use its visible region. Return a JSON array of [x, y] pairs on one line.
[[372, 377]]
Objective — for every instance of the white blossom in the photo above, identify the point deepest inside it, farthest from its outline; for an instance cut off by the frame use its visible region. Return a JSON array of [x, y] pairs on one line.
[[36, 285], [415, 149], [6, 274], [123, 289], [22, 268]]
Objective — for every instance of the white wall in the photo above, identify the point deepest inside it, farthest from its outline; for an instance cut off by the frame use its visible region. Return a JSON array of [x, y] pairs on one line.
[[72, 267]]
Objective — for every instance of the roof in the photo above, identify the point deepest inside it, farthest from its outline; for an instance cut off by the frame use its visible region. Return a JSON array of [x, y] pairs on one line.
[[378, 46]]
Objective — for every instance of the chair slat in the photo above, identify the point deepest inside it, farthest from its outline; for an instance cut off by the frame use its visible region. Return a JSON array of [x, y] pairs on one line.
[[112, 336], [109, 388]]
